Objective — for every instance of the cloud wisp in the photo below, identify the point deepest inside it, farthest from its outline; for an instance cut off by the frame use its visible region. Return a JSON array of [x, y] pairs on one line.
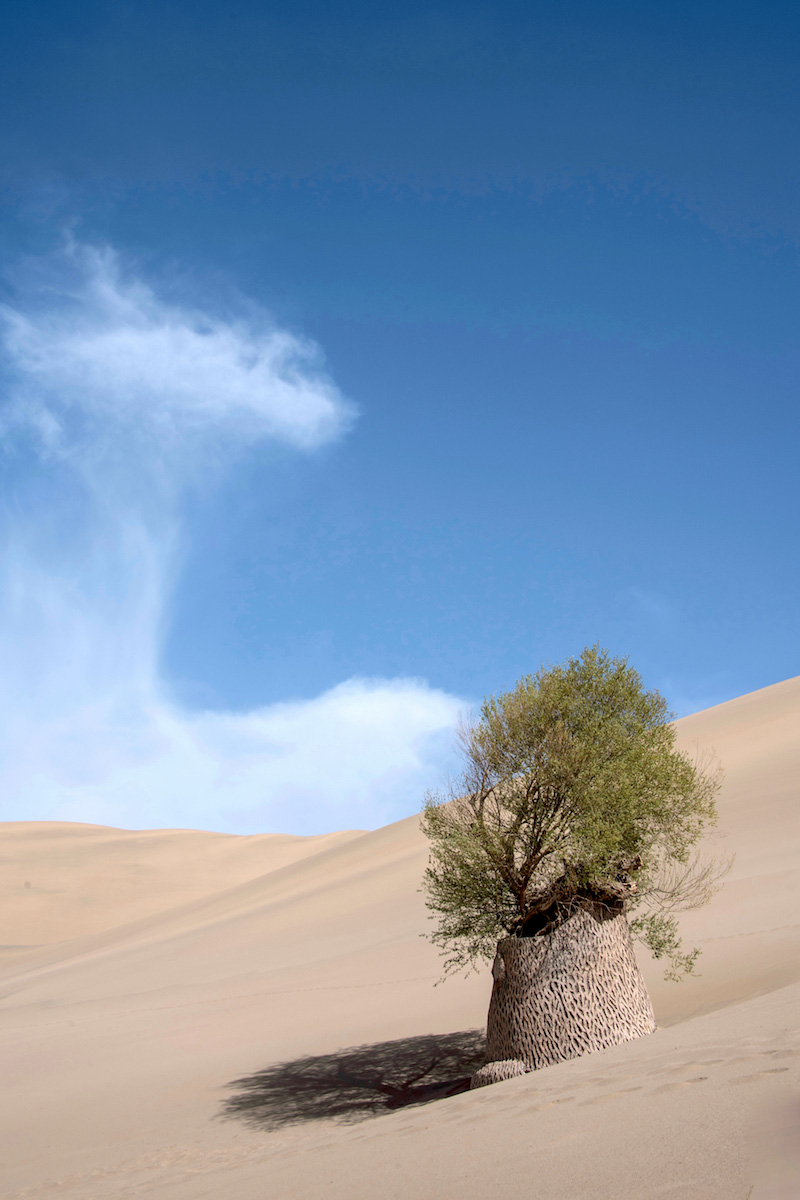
[[95, 347], [115, 402]]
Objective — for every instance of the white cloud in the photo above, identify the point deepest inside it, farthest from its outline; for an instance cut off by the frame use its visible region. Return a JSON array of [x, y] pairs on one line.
[[104, 346], [358, 756], [131, 397]]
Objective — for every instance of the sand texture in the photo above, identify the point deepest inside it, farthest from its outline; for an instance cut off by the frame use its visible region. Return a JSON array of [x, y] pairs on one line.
[[179, 1012]]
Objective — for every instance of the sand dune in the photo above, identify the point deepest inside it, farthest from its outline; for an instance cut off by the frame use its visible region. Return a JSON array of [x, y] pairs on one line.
[[151, 971], [62, 881]]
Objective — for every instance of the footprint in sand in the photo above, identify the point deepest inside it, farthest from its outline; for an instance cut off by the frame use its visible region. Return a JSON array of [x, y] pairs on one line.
[[605, 1097], [758, 1075], [680, 1083], [534, 1108]]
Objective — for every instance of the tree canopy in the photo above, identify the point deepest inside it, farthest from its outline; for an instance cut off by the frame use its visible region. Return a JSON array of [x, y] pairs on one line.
[[572, 795]]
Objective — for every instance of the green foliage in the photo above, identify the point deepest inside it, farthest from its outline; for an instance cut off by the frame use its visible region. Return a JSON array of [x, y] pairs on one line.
[[572, 793]]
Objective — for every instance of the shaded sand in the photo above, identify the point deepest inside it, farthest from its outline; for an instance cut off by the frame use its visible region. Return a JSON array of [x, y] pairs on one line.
[[121, 1048]]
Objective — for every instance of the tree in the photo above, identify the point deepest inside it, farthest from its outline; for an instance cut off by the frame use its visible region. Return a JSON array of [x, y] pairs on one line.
[[573, 810]]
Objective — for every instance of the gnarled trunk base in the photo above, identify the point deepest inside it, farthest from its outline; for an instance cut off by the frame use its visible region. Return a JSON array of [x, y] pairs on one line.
[[496, 1072], [564, 993]]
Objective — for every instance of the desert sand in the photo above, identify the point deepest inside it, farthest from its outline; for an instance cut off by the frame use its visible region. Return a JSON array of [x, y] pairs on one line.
[[151, 981]]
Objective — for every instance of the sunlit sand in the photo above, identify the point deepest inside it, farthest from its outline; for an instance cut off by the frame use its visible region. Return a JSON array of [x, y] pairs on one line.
[[150, 983]]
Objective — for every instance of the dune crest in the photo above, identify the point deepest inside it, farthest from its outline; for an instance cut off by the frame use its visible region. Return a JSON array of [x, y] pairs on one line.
[[65, 880]]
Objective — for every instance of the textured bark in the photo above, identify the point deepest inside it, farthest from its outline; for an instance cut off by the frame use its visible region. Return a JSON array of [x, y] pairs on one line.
[[564, 993], [496, 1072]]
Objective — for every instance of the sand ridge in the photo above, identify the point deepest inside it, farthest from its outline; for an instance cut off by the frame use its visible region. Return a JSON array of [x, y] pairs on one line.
[[62, 880]]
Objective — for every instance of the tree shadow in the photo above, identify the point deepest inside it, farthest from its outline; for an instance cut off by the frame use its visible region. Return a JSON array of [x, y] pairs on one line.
[[359, 1082]]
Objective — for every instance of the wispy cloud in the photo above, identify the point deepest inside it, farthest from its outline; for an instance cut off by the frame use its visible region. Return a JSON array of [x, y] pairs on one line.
[[115, 401], [95, 344]]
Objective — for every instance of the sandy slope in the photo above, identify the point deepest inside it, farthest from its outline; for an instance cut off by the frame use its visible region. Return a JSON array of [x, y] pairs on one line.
[[63, 880], [120, 1047]]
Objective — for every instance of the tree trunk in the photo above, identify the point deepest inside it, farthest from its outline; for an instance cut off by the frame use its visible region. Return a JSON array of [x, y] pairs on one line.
[[562, 994]]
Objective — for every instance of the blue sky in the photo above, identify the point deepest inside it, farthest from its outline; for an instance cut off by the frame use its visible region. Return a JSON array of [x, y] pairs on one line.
[[356, 360]]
